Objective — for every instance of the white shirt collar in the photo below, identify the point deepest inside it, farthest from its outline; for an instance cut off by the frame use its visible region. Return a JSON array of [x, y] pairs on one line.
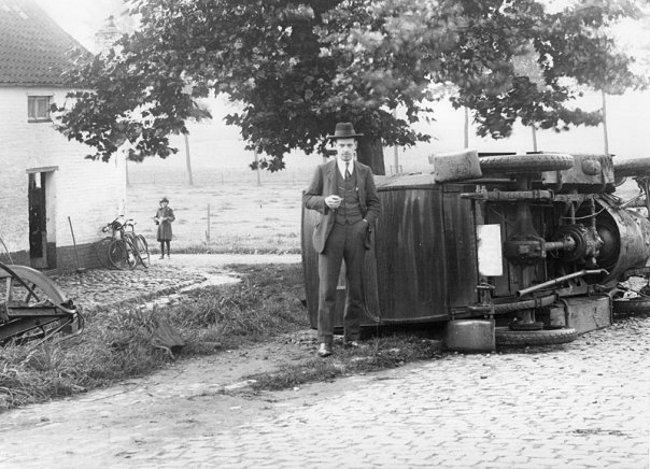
[[341, 164]]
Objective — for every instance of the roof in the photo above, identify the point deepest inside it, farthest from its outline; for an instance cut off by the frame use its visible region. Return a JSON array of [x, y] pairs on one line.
[[34, 49]]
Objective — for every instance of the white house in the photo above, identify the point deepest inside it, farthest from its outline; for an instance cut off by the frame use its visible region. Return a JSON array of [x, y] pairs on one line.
[[48, 190]]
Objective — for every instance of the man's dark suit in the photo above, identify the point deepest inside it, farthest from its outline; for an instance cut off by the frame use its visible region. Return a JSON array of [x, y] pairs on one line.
[[335, 242]]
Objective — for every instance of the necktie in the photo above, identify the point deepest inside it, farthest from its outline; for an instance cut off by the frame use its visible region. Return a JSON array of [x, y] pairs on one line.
[[347, 171]]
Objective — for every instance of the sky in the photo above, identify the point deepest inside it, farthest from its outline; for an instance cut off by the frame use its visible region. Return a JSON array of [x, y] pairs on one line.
[[81, 18]]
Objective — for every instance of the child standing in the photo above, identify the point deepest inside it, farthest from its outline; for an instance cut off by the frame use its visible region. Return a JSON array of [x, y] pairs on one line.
[[164, 218]]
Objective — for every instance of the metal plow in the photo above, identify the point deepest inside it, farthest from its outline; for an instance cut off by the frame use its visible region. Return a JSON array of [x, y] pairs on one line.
[[33, 309]]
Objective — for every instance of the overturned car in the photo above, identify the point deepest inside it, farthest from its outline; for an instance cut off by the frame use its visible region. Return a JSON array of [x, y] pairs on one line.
[[506, 249]]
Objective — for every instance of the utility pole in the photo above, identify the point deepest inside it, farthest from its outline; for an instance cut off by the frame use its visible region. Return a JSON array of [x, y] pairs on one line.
[[257, 168], [604, 95], [466, 127], [396, 150], [188, 161]]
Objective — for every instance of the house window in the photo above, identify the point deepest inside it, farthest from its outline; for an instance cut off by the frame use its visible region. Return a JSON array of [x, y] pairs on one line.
[[38, 108]]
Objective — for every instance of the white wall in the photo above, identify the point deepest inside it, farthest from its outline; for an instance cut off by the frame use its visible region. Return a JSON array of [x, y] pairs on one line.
[[89, 192]]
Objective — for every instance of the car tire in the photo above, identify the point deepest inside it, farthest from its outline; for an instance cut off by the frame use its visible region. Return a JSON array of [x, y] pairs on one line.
[[626, 307], [631, 167], [533, 163], [505, 336]]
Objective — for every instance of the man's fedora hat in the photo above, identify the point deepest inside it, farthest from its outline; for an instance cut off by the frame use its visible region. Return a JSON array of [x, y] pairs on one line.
[[344, 130]]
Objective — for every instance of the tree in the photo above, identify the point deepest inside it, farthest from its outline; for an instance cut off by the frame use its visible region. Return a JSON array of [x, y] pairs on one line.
[[299, 67]]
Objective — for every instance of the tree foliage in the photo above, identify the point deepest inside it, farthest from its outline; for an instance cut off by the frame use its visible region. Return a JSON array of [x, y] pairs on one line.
[[299, 67]]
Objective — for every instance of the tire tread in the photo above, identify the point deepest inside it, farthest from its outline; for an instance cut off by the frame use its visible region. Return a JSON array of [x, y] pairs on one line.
[[533, 163], [505, 336]]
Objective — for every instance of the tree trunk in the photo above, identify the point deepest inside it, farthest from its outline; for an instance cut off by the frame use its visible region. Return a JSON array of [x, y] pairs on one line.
[[371, 152]]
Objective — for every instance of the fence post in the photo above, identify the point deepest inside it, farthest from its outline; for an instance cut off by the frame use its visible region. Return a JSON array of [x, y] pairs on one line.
[[207, 233]]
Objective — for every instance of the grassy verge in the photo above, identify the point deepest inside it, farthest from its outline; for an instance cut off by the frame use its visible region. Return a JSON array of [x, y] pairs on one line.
[[373, 355], [117, 343]]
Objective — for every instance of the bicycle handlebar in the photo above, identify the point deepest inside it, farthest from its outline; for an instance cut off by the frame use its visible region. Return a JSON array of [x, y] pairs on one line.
[[119, 223]]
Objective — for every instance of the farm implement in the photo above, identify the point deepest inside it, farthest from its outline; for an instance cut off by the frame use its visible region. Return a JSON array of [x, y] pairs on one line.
[[33, 308]]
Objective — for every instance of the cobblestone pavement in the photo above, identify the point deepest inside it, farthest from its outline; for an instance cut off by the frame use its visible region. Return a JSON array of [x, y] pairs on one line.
[[99, 287], [582, 405]]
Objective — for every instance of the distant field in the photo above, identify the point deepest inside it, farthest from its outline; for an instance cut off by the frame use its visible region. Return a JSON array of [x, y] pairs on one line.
[[244, 217]]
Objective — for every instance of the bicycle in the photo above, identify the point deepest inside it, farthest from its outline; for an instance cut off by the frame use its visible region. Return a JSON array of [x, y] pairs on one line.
[[139, 245], [123, 249]]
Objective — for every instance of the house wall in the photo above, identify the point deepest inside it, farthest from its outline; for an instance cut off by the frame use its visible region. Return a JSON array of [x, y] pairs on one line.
[[90, 193]]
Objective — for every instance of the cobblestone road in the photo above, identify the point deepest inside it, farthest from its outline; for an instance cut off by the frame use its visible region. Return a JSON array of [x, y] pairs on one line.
[[584, 405], [100, 287]]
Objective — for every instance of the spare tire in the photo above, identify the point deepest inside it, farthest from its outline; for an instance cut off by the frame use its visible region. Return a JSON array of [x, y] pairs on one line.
[[631, 167], [624, 306], [504, 336], [533, 163]]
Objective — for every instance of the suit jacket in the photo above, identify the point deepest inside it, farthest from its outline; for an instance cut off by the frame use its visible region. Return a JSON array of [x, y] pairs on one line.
[[323, 184]]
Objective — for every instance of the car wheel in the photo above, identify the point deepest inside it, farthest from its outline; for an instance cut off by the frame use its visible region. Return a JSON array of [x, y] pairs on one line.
[[505, 336]]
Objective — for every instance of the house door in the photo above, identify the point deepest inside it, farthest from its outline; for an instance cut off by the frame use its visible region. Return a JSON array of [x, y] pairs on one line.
[[37, 221]]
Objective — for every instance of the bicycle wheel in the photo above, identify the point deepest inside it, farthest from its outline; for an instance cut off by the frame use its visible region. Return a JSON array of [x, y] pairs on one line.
[[143, 251], [101, 251], [120, 255], [132, 254]]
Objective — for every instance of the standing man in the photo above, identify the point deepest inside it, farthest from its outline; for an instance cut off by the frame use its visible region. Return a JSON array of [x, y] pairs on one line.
[[343, 191]]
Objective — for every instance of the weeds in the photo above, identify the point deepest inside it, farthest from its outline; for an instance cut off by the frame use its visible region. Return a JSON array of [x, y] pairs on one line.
[[117, 343]]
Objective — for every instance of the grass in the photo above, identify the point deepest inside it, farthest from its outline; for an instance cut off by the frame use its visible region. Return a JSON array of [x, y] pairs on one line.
[[242, 246], [118, 343], [243, 218], [378, 354]]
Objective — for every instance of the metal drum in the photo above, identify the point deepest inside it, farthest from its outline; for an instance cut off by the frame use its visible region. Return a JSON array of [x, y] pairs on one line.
[[626, 237], [470, 335], [423, 263]]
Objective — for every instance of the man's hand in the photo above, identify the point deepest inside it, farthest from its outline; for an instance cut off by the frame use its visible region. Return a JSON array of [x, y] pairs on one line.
[[333, 201]]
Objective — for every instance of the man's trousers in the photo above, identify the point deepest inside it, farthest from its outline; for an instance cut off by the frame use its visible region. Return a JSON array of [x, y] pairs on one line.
[[344, 242]]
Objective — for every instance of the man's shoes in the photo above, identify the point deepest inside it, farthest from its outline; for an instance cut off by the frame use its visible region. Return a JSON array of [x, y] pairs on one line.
[[325, 350], [162, 257]]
